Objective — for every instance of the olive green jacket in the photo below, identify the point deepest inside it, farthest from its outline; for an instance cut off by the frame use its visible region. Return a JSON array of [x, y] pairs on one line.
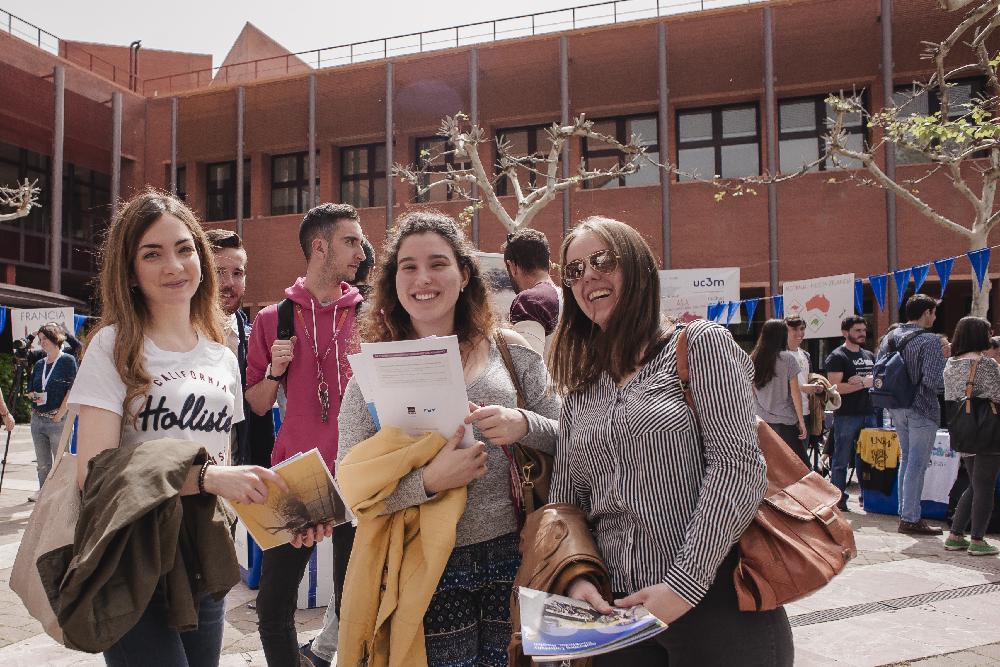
[[137, 536]]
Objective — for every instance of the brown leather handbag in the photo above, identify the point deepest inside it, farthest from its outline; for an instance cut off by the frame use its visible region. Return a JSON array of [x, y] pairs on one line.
[[557, 547], [798, 540], [531, 470]]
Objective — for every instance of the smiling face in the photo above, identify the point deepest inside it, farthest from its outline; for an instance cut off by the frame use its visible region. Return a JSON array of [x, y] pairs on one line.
[[428, 282], [166, 266], [596, 293]]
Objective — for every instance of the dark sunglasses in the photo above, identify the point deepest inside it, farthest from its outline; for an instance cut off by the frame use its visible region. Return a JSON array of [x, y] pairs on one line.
[[603, 261]]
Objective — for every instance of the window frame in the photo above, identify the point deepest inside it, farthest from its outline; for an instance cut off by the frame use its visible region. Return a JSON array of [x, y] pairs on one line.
[[717, 141], [300, 184], [821, 130], [532, 131], [371, 174], [622, 136], [449, 159], [933, 106], [228, 192]]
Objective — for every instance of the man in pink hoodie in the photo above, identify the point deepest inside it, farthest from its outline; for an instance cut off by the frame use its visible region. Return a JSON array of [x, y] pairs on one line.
[[313, 369]]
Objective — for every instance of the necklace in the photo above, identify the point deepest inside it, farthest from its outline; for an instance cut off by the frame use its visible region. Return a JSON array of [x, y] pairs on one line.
[[322, 388]]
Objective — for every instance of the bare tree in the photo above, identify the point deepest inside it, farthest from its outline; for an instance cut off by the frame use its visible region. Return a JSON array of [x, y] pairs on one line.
[[961, 140], [21, 198], [465, 142]]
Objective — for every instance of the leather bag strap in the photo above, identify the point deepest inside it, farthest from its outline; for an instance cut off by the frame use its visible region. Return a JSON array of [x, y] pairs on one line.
[[508, 361]]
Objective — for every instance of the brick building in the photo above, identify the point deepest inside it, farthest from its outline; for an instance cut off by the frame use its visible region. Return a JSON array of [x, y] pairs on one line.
[[688, 78]]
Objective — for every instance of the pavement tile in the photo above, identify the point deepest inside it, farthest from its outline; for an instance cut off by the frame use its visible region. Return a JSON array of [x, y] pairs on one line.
[[988, 651]]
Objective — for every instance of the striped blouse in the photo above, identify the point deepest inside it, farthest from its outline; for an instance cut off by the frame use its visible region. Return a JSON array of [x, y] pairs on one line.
[[665, 503]]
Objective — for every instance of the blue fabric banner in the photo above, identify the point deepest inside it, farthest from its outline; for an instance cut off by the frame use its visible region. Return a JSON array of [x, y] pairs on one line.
[[902, 280], [78, 321], [713, 311], [3, 318], [980, 260], [779, 306], [751, 305], [878, 284], [732, 309], [859, 297], [919, 276], [943, 268]]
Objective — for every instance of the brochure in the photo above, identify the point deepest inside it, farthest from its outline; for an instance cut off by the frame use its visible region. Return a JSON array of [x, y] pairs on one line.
[[555, 628], [415, 385], [313, 498]]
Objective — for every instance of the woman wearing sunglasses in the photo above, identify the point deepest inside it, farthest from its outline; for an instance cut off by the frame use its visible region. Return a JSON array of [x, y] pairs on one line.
[[667, 493]]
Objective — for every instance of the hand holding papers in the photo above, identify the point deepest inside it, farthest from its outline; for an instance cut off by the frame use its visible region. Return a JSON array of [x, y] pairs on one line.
[[415, 385]]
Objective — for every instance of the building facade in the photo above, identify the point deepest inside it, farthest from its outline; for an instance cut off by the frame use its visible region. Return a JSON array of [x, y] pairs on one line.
[[725, 91]]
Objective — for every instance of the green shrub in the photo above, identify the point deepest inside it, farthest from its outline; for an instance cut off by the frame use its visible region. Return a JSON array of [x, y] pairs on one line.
[[22, 411]]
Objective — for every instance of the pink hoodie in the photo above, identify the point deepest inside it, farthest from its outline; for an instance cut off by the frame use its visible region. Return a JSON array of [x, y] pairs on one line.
[[302, 428]]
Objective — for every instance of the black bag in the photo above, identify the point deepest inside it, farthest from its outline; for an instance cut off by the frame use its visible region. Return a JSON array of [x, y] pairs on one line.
[[973, 421]]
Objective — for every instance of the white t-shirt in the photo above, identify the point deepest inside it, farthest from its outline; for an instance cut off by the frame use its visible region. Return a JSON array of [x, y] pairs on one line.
[[803, 358], [195, 395]]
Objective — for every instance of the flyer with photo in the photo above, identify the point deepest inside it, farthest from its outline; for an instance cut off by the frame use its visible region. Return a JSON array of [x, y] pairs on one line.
[[555, 628]]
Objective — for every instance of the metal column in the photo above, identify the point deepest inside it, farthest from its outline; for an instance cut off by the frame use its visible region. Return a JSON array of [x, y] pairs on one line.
[[173, 146], [890, 156], [240, 108], [564, 120], [312, 141], [388, 146], [770, 117], [58, 135], [474, 117], [116, 151], [661, 139]]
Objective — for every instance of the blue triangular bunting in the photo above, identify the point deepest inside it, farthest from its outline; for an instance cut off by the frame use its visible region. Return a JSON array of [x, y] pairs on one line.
[[980, 260], [878, 284], [943, 268], [902, 280], [720, 311], [751, 306], [3, 320], [779, 306], [78, 321], [859, 297], [734, 307], [713, 310], [919, 276]]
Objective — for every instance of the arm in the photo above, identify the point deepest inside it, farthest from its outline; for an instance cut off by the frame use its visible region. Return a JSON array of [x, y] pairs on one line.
[[932, 376], [843, 388], [261, 393], [735, 478], [70, 378], [6, 416]]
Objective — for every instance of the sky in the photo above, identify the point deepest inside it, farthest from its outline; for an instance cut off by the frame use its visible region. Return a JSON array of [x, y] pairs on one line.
[[211, 26]]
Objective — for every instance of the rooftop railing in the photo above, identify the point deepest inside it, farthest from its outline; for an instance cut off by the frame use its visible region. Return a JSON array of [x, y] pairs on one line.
[[45, 40], [481, 32]]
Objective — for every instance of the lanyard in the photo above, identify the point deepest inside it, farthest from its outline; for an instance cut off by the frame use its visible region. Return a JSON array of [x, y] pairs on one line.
[[322, 388], [46, 376]]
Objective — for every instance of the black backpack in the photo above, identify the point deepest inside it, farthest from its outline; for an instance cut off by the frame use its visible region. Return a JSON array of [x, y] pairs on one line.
[[892, 386], [286, 325]]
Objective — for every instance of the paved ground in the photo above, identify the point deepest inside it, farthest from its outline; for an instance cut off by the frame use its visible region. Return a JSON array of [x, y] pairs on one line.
[[904, 601]]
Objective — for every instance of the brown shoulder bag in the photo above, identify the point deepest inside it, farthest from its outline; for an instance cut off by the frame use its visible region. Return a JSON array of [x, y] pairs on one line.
[[798, 540], [531, 470]]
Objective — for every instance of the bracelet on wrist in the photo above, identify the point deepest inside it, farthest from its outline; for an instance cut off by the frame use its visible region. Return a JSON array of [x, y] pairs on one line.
[[201, 475]]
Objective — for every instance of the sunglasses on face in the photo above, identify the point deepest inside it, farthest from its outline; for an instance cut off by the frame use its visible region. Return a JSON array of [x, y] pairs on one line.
[[602, 261]]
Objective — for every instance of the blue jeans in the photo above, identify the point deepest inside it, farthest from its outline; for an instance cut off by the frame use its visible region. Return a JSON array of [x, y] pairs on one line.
[[45, 434], [845, 443], [151, 643], [916, 440]]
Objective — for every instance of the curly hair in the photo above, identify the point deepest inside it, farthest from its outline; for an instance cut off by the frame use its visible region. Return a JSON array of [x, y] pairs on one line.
[[388, 320]]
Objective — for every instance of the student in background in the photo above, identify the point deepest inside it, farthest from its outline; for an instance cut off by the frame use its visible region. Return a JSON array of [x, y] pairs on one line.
[[777, 396]]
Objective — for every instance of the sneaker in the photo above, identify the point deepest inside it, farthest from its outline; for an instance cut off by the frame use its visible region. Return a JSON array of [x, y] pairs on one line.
[[307, 657], [918, 528], [33, 497], [983, 548], [956, 544]]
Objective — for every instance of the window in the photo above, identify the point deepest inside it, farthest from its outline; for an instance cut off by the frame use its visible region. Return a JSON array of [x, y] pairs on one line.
[[802, 130], [722, 141], [290, 184], [922, 104], [433, 155], [600, 155], [528, 140], [181, 181], [362, 175], [220, 191]]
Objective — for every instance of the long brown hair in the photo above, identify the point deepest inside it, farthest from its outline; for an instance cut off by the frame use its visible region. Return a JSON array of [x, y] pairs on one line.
[[773, 340], [124, 306], [581, 351], [387, 320]]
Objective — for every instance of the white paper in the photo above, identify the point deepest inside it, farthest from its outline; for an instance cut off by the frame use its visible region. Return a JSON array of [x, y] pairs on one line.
[[416, 385], [821, 302]]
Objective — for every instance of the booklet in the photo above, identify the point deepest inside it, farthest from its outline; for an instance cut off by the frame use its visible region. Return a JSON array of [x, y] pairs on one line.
[[415, 385], [313, 498], [555, 628]]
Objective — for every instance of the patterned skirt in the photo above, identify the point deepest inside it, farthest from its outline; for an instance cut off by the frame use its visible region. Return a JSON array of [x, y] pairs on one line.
[[468, 621]]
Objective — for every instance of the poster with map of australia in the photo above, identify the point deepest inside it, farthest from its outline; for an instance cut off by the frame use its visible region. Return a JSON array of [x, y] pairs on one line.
[[821, 302]]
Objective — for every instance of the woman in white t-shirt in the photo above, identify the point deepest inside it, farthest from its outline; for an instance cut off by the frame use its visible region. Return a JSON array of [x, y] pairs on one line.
[[156, 368]]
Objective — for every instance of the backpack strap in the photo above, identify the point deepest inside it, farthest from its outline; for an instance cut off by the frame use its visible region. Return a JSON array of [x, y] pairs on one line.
[[286, 323], [683, 369]]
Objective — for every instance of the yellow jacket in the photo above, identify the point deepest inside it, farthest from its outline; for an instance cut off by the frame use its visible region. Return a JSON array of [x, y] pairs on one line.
[[398, 558]]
